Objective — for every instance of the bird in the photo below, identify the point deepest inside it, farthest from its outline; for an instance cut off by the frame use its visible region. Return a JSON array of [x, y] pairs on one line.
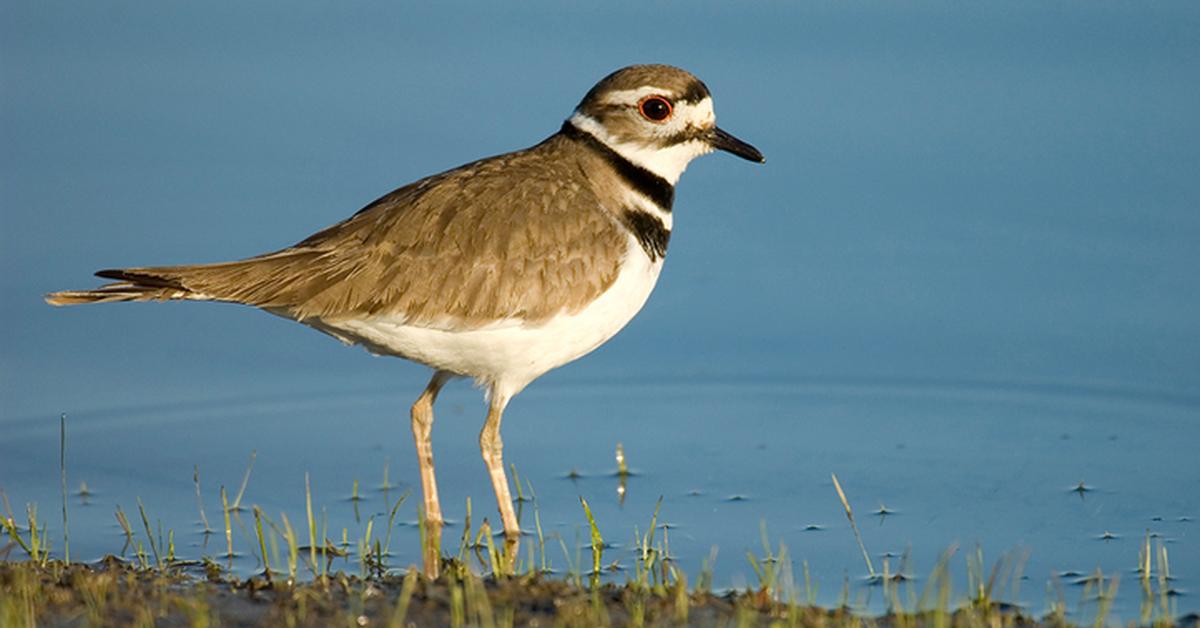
[[498, 270]]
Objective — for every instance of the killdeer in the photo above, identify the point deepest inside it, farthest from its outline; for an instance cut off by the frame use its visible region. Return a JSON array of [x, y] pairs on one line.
[[499, 270]]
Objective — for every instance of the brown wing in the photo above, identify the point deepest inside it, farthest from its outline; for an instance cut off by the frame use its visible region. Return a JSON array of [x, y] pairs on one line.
[[520, 236]]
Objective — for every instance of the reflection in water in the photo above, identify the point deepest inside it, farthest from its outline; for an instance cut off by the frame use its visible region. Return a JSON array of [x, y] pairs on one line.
[[622, 474]]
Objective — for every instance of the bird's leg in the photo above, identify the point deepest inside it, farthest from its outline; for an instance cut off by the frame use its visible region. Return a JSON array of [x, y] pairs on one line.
[[422, 427], [492, 448]]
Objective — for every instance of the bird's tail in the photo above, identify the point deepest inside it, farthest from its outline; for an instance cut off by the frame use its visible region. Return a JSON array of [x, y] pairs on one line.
[[276, 280], [134, 284]]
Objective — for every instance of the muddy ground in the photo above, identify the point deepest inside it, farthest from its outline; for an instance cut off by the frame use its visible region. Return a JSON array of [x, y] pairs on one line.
[[114, 593]]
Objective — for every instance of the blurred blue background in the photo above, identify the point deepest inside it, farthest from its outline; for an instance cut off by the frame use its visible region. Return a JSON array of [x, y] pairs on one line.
[[993, 199]]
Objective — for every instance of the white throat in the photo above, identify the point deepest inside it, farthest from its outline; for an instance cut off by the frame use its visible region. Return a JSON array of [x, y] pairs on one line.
[[668, 163]]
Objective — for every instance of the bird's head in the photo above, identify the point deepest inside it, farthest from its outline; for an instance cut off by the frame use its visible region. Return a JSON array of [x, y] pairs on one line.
[[658, 117]]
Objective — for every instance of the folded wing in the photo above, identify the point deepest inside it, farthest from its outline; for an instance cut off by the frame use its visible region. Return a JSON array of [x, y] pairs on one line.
[[511, 237]]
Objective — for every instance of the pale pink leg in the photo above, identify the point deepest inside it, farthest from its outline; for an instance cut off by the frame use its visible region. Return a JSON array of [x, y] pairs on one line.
[[493, 447], [422, 428]]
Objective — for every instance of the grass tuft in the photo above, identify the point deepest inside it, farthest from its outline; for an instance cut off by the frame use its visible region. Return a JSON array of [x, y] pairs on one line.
[[149, 535], [597, 543], [62, 468], [237, 501], [850, 515], [200, 500]]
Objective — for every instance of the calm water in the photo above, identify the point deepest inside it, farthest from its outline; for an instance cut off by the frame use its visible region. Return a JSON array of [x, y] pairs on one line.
[[964, 281]]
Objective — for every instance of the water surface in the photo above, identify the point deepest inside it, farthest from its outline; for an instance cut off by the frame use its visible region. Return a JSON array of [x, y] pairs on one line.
[[964, 281]]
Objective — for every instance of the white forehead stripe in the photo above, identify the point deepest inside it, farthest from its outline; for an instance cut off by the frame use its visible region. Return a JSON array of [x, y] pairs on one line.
[[632, 96]]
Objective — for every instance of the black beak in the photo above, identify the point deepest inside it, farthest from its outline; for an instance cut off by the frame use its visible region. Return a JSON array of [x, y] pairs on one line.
[[721, 140]]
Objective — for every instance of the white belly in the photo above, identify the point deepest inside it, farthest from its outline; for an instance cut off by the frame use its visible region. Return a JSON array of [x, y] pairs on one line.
[[508, 354]]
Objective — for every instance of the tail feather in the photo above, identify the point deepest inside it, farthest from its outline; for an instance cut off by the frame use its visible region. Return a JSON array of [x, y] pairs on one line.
[[113, 293], [148, 277], [144, 288], [273, 280]]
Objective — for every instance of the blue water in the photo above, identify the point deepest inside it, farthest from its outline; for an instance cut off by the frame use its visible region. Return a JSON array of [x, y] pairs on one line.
[[964, 281]]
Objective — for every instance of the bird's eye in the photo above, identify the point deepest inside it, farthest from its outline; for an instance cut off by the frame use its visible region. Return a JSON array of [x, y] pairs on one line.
[[655, 108]]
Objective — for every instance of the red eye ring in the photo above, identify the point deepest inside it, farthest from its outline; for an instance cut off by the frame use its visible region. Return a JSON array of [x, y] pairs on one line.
[[655, 108]]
